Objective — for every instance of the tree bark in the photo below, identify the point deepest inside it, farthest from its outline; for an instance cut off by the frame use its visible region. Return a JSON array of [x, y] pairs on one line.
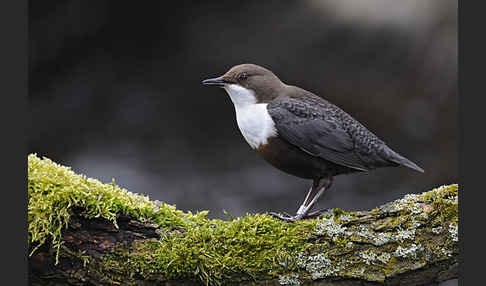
[[422, 250]]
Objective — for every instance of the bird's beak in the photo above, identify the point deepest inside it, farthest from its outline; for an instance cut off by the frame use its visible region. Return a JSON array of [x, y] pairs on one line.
[[217, 81]]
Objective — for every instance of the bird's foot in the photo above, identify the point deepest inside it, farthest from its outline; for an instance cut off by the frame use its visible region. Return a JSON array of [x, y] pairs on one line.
[[289, 218]]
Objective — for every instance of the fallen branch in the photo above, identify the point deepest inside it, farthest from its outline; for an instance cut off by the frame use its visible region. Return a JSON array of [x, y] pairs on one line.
[[83, 232]]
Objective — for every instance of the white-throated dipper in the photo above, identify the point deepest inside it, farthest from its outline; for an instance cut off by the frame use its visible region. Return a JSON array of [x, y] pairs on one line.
[[301, 133]]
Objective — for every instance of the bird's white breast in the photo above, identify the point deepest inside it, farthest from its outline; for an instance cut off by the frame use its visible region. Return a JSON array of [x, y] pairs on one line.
[[254, 122]]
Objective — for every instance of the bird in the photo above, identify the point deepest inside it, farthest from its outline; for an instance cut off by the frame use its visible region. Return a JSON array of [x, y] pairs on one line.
[[301, 133]]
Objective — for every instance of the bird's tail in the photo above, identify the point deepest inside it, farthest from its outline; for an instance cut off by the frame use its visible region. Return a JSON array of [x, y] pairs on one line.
[[399, 159]]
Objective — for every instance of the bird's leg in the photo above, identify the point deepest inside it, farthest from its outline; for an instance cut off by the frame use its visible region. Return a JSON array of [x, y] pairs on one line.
[[316, 191], [311, 197], [308, 196], [319, 187], [288, 217]]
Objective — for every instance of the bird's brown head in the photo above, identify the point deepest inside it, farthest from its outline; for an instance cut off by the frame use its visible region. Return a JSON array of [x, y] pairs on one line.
[[248, 82]]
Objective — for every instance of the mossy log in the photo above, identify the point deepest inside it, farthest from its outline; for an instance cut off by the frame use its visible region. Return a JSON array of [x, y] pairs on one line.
[[83, 232]]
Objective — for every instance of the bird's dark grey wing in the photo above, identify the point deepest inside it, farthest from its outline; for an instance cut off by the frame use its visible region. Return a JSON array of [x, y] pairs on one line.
[[304, 126]]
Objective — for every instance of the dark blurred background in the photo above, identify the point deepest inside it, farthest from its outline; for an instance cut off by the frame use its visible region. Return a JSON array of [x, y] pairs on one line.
[[115, 92]]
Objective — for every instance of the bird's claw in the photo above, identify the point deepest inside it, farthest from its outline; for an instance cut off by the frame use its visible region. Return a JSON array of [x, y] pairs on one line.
[[289, 218]]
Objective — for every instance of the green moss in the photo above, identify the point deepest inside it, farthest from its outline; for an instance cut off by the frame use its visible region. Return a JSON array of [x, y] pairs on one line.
[[255, 246], [54, 191], [342, 242], [220, 250], [209, 250]]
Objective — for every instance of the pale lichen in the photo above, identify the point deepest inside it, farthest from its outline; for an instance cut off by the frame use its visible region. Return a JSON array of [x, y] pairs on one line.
[[408, 202], [345, 218], [445, 252], [384, 257], [415, 225], [452, 200], [404, 234], [301, 260], [256, 245], [437, 230], [408, 252], [377, 238], [318, 266], [368, 256], [453, 229], [329, 227], [291, 279]]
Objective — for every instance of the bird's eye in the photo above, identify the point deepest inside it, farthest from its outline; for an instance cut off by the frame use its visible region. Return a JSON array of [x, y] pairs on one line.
[[243, 76]]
